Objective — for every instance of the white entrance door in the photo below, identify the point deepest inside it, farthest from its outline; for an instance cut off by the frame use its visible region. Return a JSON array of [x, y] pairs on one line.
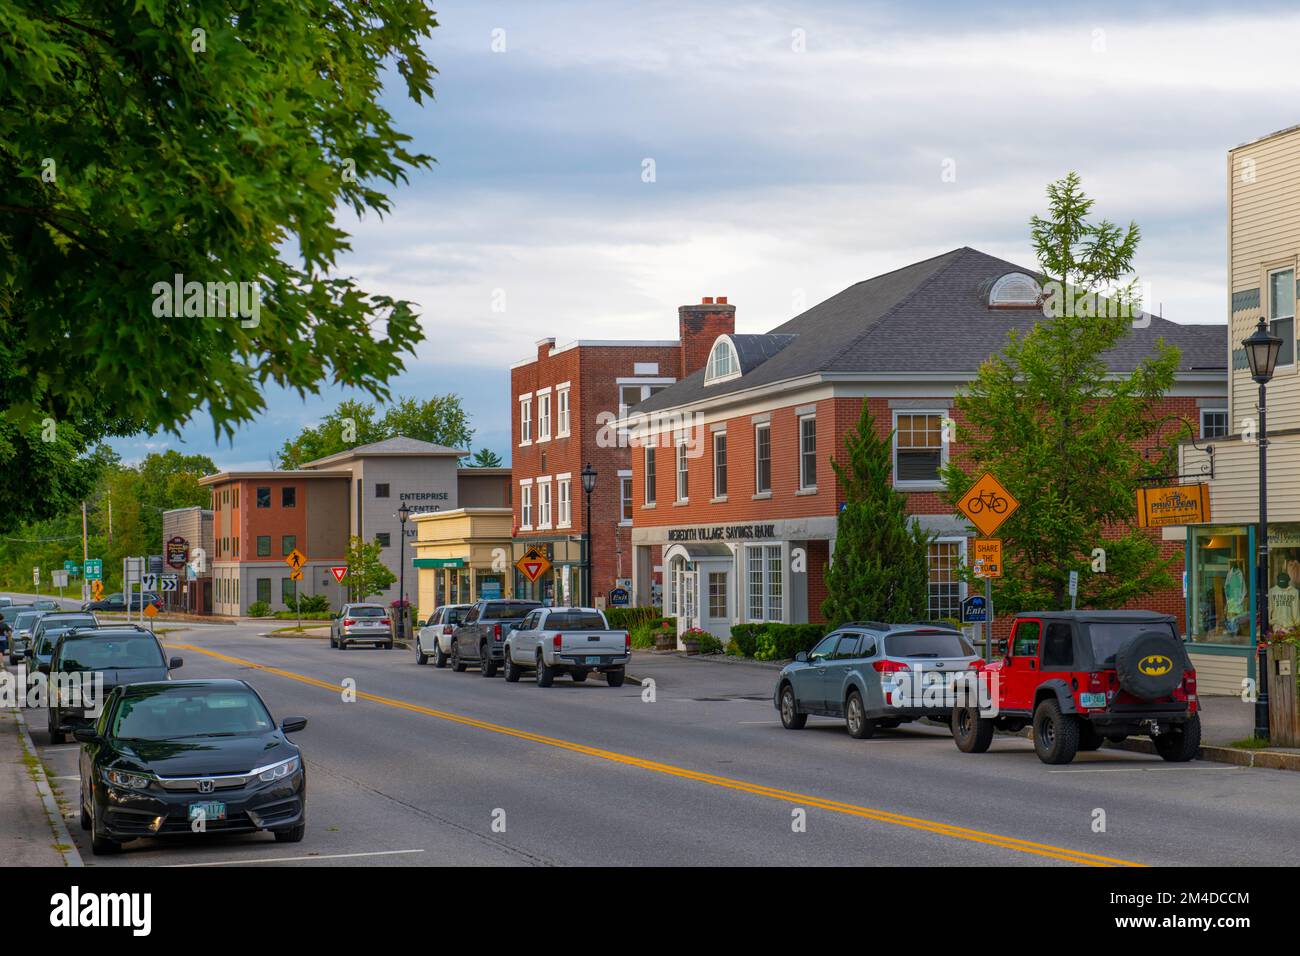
[[688, 600]]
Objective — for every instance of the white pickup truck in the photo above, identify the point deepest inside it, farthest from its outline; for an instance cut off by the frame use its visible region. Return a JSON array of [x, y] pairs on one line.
[[576, 640]]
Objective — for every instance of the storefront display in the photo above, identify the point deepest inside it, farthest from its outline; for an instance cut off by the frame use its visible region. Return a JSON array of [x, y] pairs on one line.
[[1219, 582]]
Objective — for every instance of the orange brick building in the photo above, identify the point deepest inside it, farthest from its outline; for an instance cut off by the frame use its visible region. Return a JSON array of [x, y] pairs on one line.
[[733, 493]]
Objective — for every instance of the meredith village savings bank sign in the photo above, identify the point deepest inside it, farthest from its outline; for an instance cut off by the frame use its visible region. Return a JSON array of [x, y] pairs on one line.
[[731, 532]]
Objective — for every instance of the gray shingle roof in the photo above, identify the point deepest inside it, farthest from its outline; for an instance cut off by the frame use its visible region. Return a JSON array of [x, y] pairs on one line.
[[931, 316], [398, 445]]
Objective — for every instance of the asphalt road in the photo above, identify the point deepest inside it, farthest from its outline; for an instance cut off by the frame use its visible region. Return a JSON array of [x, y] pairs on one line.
[[427, 766]]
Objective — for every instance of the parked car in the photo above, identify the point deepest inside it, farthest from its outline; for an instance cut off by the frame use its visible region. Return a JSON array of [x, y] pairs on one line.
[[163, 755], [434, 637], [871, 674], [481, 638], [1084, 677], [8, 614], [20, 636], [46, 633], [567, 640], [6, 601], [47, 604], [362, 624], [122, 655], [117, 602]]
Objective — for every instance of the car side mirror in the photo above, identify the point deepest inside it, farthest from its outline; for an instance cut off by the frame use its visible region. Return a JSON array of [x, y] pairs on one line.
[[85, 735], [801, 657], [175, 663], [292, 725]]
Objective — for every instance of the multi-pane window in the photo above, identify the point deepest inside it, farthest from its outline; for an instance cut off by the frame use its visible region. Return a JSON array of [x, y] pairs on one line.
[[1281, 312], [264, 497], [384, 538], [763, 582], [525, 421], [287, 589], [289, 497], [808, 452], [650, 474], [762, 459], [683, 479], [263, 546], [625, 491], [562, 413], [544, 417], [543, 504], [719, 464], [675, 567], [287, 543], [566, 502], [945, 586], [263, 590], [382, 490], [526, 506], [717, 594], [721, 361], [918, 447], [1214, 422]]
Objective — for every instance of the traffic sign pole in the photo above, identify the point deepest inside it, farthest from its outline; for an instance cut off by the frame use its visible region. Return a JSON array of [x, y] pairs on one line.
[[988, 633]]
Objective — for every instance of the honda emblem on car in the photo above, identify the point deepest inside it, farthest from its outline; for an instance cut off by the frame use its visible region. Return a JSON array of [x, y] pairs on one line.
[[207, 785]]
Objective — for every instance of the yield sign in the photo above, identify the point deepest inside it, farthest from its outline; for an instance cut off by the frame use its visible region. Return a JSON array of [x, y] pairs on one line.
[[339, 573], [533, 564], [987, 504]]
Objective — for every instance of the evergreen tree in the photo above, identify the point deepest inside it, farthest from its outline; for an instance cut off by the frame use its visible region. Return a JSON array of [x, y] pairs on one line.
[[879, 571]]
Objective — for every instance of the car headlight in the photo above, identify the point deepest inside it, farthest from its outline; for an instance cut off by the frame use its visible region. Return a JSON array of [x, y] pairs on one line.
[[278, 771], [131, 781]]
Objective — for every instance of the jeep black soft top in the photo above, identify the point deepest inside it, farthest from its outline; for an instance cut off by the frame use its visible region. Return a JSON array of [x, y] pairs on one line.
[[1101, 633]]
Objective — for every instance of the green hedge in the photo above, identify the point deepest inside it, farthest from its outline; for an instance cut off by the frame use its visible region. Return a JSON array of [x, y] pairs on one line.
[[773, 641], [629, 618], [305, 615], [643, 634]]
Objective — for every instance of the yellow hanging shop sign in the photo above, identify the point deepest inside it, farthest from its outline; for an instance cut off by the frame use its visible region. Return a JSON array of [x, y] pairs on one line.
[[1180, 504]]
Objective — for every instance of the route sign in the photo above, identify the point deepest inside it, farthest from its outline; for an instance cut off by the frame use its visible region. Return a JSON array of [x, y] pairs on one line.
[[339, 572], [295, 559], [988, 557], [72, 568], [94, 569], [987, 504], [533, 564], [974, 610]]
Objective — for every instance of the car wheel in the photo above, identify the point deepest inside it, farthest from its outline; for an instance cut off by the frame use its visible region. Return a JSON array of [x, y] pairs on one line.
[[439, 656], [545, 674], [1182, 744], [1089, 737], [791, 719], [291, 835], [972, 733], [333, 642], [420, 656], [56, 736], [85, 815], [1056, 735], [616, 677], [388, 647], [487, 667], [859, 725], [456, 663], [578, 675], [101, 845], [512, 671]]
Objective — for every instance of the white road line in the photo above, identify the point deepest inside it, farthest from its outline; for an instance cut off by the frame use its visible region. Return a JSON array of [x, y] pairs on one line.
[[287, 859]]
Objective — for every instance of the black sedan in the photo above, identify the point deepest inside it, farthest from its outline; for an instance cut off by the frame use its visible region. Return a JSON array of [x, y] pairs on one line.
[[117, 602], [177, 757]]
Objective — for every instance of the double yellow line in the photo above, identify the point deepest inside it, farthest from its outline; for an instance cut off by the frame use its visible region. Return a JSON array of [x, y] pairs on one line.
[[774, 793]]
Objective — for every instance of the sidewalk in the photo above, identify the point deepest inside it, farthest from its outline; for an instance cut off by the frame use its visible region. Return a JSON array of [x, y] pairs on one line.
[[1224, 722], [32, 832]]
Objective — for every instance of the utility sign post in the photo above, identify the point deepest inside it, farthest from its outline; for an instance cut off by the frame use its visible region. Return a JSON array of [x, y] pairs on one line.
[[1074, 588], [987, 504], [296, 559]]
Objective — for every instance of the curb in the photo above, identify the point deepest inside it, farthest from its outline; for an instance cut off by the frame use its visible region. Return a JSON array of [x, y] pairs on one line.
[[1266, 759], [55, 816]]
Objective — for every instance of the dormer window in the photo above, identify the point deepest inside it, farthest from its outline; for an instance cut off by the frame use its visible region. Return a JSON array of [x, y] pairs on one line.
[[1015, 290], [724, 363]]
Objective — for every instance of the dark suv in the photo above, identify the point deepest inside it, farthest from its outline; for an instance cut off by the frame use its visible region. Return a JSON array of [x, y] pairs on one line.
[[1085, 677], [481, 638]]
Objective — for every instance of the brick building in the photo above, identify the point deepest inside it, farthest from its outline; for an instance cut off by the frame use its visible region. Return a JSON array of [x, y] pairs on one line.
[[565, 402], [732, 487]]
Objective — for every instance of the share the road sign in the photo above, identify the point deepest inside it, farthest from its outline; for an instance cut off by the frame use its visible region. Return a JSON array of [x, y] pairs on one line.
[[533, 564]]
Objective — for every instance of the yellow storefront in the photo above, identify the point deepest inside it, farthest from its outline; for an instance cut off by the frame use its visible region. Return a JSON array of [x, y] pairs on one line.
[[462, 556]]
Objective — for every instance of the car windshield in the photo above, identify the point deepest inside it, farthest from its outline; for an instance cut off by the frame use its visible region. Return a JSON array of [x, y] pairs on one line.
[[110, 653], [59, 625], [575, 621], [367, 612], [923, 644], [168, 713], [27, 619], [1110, 636], [13, 610], [456, 615], [501, 612]]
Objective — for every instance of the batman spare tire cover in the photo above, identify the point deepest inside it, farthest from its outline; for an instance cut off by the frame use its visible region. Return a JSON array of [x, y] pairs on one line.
[[1150, 666]]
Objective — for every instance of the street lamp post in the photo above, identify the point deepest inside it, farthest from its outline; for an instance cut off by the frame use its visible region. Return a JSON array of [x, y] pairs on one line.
[[588, 486], [1262, 350], [403, 513]]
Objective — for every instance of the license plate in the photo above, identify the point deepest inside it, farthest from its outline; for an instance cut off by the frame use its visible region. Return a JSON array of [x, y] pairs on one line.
[[1092, 700], [212, 810], [593, 660]]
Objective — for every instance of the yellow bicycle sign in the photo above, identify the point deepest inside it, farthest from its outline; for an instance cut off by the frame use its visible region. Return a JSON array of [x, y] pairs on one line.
[[987, 504]]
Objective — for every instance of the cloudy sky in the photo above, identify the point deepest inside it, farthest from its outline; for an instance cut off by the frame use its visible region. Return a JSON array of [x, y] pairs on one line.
[[796, 148]]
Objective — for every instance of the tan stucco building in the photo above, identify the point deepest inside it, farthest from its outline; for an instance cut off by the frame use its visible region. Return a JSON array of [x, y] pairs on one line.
[[462, 556]]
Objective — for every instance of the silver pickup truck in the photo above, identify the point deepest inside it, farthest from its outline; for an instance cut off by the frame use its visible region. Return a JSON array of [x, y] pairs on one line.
[[572, 640]]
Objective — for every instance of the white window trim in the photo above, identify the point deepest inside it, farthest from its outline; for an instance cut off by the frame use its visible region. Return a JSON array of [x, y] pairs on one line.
[[680, 451], [803, 479], [1269, 318], [631, 494], [1223, 410], [564, 503], [544, 401], [742, 592], [719, 342], [525, 405], [961, 542], [764, 492], [563, 425], [649, 458], [943, 450], [526, 504], [550, 501], [720, 496], [646, 382]]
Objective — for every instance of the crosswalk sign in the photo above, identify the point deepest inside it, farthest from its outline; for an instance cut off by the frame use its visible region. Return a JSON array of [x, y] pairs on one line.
[[295, 559]]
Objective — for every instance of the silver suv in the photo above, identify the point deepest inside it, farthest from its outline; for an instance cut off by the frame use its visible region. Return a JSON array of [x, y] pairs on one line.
[[433, 639], [362, 624]]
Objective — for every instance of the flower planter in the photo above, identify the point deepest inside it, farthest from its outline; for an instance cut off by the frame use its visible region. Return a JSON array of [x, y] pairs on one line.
[[691, 644], [665, 641]]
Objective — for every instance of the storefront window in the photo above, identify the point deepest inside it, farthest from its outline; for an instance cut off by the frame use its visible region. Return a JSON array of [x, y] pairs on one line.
[[490, 585], [1219, 585], [1283, 577]]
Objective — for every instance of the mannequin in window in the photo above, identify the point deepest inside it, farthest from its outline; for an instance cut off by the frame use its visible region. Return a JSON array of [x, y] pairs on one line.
[[1283, 603], [1234, 592]]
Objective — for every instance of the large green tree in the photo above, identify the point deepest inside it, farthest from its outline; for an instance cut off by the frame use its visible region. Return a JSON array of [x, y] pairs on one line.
[[1064, 435], [367, 573], [879, 571], [214, 140], [440, 419]]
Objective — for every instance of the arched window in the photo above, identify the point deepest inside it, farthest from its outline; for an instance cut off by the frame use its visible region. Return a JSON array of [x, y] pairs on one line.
[[1015, 290], [723, 361]]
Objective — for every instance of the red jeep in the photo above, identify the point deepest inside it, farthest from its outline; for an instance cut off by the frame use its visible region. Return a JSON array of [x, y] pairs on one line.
[[1083, 677]]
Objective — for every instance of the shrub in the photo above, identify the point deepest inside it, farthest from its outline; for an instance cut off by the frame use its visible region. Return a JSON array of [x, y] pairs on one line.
[[744, 638], [709, 644], [311, 603], [305, 615], [766, 647], [259, 609], [778, 641], [627, 618], [643, 637]]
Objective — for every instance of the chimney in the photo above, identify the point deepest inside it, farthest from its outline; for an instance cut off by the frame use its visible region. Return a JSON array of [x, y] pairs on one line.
[[698, 326], [544, 347]]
